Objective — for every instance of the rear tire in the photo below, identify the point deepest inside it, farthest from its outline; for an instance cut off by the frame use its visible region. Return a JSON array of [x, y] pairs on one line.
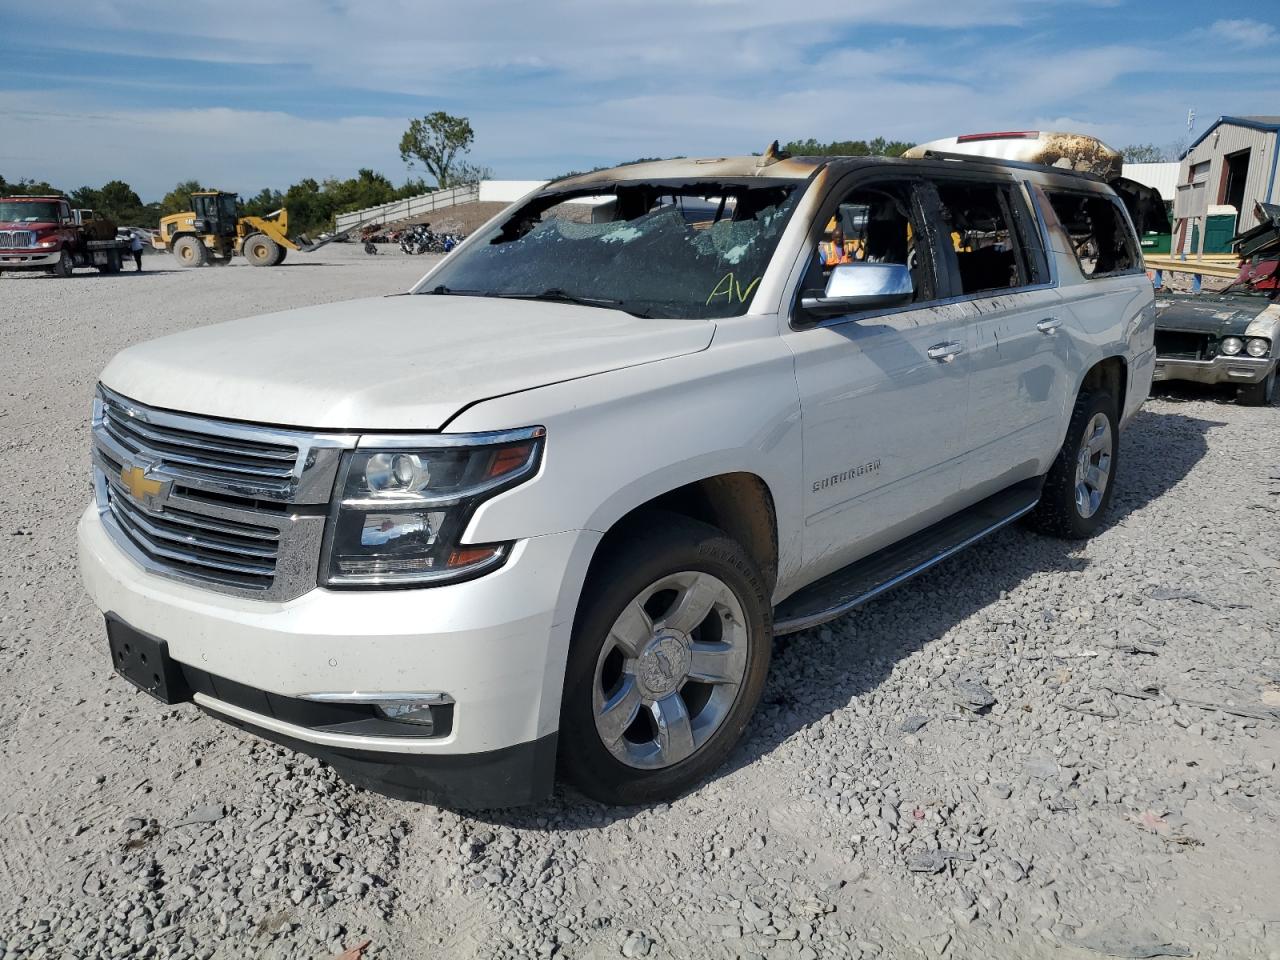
[[1079, 486], [668, 659], [190, 252], [1259, 394], [260, 250]]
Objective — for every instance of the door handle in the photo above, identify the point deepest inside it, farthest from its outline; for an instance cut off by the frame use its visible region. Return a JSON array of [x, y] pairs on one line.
[[945, 352], [1049, 324]]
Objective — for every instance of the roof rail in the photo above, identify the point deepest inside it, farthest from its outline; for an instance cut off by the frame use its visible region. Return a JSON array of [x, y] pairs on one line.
[[1019, 164]]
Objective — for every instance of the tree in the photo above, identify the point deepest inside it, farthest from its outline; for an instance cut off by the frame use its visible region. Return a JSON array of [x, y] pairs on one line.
[[1143, 153], [117, 201], [178, 200], [27, 188], [263, 202], [439, 143], [85, 196], [879, 147]]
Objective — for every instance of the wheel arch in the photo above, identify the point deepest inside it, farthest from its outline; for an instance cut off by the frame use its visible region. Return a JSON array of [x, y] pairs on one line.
[[1109, 373], [739, 502]]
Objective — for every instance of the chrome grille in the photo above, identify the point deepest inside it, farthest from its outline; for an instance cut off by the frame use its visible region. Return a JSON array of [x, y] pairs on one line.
[[233, 507], [17, 239], [230, 553], [263, 469]]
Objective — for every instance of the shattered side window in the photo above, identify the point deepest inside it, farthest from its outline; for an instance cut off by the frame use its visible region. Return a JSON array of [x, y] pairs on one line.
[[691, 250], [1100, 233]]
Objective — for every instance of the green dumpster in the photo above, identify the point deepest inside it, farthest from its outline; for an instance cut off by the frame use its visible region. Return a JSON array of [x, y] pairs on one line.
[[1219, 230]]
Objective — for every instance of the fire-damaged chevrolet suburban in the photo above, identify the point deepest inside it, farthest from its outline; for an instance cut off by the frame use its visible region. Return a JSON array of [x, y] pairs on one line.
[[548, 510]]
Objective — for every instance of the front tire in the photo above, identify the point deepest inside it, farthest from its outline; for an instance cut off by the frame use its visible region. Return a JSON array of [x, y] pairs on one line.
[[64, 265], [669, 656], [1079, 486], [1259, 394], [260, 250]]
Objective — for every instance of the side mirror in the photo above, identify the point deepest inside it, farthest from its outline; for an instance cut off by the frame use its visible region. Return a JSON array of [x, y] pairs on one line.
[[861, 286]]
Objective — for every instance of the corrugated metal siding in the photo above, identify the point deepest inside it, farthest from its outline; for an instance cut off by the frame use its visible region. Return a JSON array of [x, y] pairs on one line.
[[1160, 176], [1228, 139]]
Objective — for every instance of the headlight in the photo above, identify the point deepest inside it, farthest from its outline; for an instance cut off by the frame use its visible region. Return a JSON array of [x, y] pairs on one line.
[[1257, 347], [1232, 345], [402, 510], [47, 243]]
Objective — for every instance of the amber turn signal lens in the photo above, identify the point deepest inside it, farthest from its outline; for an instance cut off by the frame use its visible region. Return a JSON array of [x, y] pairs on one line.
[[466, 556], [509, 458]]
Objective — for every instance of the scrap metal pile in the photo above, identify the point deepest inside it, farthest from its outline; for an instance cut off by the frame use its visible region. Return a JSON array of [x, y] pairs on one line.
[[1259, 251]]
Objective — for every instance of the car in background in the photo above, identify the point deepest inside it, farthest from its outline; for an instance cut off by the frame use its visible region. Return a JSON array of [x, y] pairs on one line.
[[1217, 339]]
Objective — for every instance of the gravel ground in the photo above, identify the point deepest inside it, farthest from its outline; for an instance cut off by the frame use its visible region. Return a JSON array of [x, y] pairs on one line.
[[1036, 750]]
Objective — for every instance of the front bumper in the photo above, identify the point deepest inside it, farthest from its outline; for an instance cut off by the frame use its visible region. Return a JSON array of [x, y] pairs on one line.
[[1238, 369], [495, 645], [28, 260]]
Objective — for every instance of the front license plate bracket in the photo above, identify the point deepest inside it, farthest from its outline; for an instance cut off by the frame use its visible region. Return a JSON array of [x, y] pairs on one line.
[[145, 662]]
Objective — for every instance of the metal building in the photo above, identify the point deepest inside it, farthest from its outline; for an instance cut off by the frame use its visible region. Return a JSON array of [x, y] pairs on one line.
[[1233, 163]]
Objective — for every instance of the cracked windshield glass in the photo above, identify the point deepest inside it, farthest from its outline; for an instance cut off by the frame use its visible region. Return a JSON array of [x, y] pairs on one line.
[[650, 249]]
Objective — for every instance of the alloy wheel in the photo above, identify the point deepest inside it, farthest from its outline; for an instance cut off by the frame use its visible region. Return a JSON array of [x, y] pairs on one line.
[[670, 670], [1093, 465]]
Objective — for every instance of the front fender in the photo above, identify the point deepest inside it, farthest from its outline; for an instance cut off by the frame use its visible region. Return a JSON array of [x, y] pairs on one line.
[[618, 440]]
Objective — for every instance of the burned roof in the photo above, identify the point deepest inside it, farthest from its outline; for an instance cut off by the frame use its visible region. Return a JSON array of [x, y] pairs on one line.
[[702, 168]]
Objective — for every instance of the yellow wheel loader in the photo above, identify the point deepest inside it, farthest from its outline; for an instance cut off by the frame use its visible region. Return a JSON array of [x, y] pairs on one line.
[[213, 231]]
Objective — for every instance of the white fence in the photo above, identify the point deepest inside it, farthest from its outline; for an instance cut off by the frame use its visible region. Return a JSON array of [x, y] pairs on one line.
[[412, 207]]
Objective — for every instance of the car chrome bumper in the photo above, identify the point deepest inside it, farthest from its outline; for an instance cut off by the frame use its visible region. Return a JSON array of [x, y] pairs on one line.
[[16, 260], [1237, 369]]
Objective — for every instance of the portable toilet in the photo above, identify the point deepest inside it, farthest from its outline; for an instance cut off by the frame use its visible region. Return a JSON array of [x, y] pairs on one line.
[[1219, 229]]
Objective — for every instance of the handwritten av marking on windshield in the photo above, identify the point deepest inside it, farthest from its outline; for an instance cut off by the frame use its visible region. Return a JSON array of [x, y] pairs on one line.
[[729, 287]]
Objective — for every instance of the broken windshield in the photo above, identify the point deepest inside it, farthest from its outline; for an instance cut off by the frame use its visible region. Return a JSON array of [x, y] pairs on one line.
[[653, 249]]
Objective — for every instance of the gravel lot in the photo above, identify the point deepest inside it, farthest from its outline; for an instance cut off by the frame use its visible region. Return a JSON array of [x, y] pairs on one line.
[[1037, 750]]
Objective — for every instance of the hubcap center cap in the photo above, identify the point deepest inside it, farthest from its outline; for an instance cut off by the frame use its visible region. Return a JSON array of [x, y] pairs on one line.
[[663, 667]]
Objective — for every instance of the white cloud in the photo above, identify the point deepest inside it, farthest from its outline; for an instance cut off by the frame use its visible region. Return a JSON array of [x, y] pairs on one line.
[[548, 86], [46, 138], [1245, 33]]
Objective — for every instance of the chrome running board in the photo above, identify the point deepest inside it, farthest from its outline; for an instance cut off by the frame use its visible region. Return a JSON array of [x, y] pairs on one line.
[[838, 593]]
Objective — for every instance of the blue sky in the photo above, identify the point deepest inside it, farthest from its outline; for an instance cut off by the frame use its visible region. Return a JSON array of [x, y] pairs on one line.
[[243, 96]]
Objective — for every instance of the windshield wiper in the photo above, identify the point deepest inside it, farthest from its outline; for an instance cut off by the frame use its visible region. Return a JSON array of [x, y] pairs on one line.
[[558, 295], [444, 291], [551, 294]]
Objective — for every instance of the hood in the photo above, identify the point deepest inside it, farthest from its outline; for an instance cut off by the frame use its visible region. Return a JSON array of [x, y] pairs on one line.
[[392, 363], [1223, 316], [24, 225]]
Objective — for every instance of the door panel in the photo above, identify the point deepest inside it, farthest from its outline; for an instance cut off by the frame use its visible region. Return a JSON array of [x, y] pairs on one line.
[[1017, 335], [883, 427], [1020, 345]]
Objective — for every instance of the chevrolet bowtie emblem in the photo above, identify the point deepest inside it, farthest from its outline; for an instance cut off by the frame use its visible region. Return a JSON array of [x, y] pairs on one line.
[[148, 491]]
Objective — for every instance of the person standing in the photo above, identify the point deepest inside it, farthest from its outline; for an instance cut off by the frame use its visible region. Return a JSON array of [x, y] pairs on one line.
[[135, 247]]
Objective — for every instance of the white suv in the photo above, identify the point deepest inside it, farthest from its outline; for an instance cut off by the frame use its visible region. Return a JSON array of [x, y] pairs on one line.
[[549, 509]]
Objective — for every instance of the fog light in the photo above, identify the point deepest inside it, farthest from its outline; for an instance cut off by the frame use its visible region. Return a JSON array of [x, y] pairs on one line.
[[409, 711], [412, 708]]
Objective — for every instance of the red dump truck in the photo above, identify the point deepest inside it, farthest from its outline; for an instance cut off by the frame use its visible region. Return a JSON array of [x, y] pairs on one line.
[[47, 233]]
